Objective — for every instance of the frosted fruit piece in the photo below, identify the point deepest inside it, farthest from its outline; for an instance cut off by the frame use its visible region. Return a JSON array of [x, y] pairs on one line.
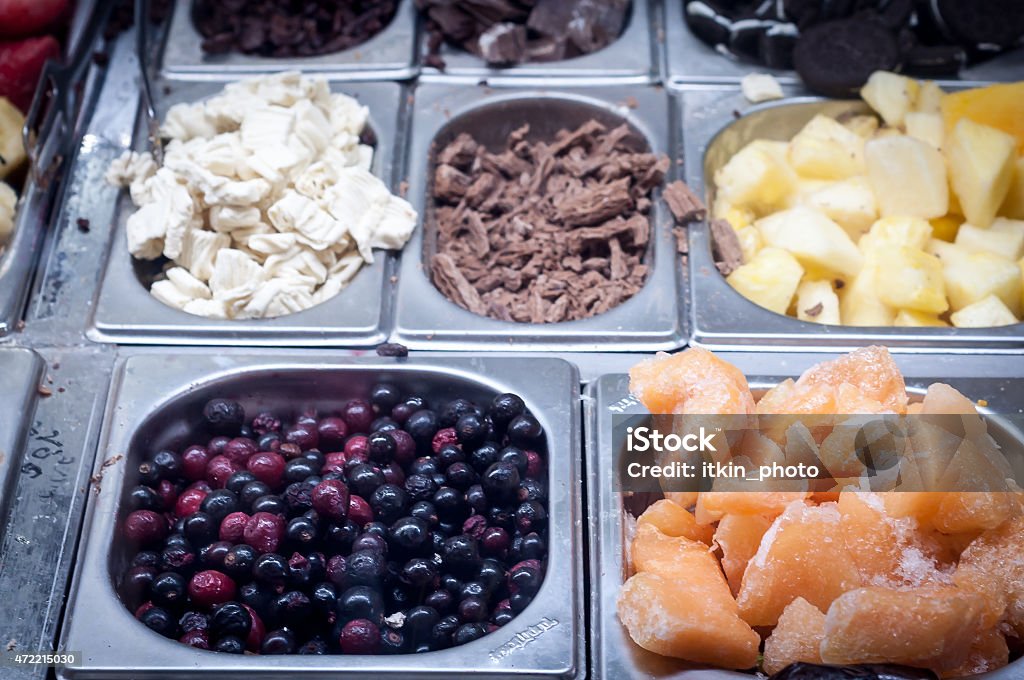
[[993, 565], [770, 279], [738, 537], [786, 399], [972, 277], [988, 652], [672, 520], [714, 505], [870, 369], [684, 499], [757, 177], [693, 381], [796, 638], [908, 177], [929, 98], [657, 552], [981, 161], [927, 628], [893, 232], [928, 127], [801, 555], [824, 149], [819, 244]]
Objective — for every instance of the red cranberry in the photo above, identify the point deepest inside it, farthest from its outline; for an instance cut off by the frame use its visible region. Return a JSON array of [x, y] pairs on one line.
[[216, 446], [218, 471], [475, 526], [256, 632], [529, 564], [495, 541], [264, 423], [337, 571], [193, 462], [143, 608], [263, 531], [167, 492], [189, 502], [267, 467], [196, 638], [393, 474], [359, 636], [534, 464], [405, 447], [330, 499], [201, 485], [359, 511], [443, 438], [209, 588], [232, 527], [240, 449], [358, 415], [358, 448], [303, 436], [333, 462], [145, 527], [332, 432]]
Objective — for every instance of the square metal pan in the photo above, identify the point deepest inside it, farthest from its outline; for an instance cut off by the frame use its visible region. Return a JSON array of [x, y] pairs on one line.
[[426, 319], [632, 58], [613, 655], [690, 60], [152, 398], [389, 54], [125, 312], [20, 373], [722, 317]]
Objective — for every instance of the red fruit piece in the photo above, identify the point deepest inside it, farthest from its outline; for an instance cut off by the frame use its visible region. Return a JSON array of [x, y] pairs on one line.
[[267, 467], [232, 527], [189, 502], [256, 632], [193, 462], [443, 438], [21, 64], [358, 448], [20, 18], [263, 531], [359, 636], [219, 469], [330, 499], [210, 587], [145, 527], [359, 511]]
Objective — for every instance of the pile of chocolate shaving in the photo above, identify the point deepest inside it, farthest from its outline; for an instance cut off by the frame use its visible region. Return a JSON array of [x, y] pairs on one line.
[[544, 231]]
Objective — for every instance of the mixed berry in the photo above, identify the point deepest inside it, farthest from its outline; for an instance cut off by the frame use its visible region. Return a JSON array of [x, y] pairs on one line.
[[388, 528]]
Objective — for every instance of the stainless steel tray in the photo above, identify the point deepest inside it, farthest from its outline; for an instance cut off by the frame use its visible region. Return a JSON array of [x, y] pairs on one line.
[[720, 316], [613, 655], [151, 398], [20, 372], [126, 313], [688, 59], [631, 58], [18, 260], [426, 319], [391, 54]]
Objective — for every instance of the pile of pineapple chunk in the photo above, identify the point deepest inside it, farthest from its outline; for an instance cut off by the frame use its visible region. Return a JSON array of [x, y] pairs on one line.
[[12, 156], [916, 219]]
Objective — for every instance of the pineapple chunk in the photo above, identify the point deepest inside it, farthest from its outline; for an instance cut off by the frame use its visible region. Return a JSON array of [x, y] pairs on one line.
[[891, 95], [859, 304], [770, 279], [969, 277], [908, 318], [820, 245], [1004, 238], [945, 228], [849, 203], [12, 151], [996, 105], [1013, 206], [909, 278], [8, 200], [981, 162], [817, 302], [757, 177], [908, 177], [824, 149], [929, 98], [985, 313], [891, 232], [928, 127], [737, 217], [750, 242], [865, 126]]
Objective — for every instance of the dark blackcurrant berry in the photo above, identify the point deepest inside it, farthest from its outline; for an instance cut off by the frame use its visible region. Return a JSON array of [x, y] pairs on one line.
[[271, 503], [525, 431], [232, 619], [419, 572], [363, 479], [280, 641], [461, 555], [472, 430], [366, 567], [448, 455], [159, 620], [500, 481], [168, 590], [219, 504], [144, 498], [422, 425], [168, 465], [389, 502], [385, 396], [360, 602], [223, 416], [230, 645], [237, 481]]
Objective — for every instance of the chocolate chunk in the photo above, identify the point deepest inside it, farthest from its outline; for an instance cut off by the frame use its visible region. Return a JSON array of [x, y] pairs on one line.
[[815, 310], [450, 184], [392, 349], [684, 205], [460, 153], [726, 247], [453, 284], [502, 44], [835, 58], [597, 204]]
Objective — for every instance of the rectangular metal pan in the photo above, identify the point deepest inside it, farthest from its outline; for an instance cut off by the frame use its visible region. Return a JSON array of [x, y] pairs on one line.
[[613, 655], [20, 373], [720, 316], [151, 398], [391, 54], [126, 313], [425, 319]]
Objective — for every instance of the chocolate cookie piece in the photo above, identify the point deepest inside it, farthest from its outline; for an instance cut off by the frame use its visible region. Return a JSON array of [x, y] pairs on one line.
[[835, 58], [981, 23]]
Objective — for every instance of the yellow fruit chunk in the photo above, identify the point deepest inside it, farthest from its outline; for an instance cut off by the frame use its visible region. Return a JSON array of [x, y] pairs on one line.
[[692, 381], [672, 520], [984, 313], [872, 370], [756, 177], [972, 277], [715, 505], [993, 566], [999, 106], [945, 228], [865, 126], [908, 176], [928, 627], [908, 318], [981, 161], [737, 217], [928, 127], [929, 98], [890, 232], [799, 556], [770, 279], [859, 302], [796, 638], [1013, 205], [819, 244], [816, 301], [912, 279], [1004, 238], [738, 537], [824, 149], [8, 202], [12, 150], [849, 203], [891, 95], [750, 242]]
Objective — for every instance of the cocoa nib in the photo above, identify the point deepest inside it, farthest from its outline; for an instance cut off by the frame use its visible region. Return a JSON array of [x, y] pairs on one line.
[[546, 230]]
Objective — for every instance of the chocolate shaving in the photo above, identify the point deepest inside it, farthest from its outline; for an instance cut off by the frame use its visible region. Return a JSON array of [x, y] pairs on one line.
[[726, 247], [454, 285], [815, 310], [684, 205]]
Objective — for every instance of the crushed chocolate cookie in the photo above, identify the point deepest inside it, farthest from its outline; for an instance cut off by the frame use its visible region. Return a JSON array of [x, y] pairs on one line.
[[546, 230], [726, 247]]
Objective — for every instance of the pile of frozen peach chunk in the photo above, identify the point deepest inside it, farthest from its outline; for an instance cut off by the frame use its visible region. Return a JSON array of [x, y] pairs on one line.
[[927, 579]]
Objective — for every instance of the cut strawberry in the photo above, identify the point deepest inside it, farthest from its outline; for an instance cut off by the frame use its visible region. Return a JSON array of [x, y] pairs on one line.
[[24, 18], [21, 64]]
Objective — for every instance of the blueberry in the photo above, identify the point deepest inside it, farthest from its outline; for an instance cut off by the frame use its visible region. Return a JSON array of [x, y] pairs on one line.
[[230, 618], [526, 579], [293, 608], [299, 469], [425, 511], [381, 447], [270, 568], [384, 424], [449, 454], [531, 490], [250, 492], [363, 479], [270, 441], [440, 600], [483, 457], [168, 590], [366, 567], [168, 465], [280, 641], [385, 397], [239, 561], [441, 637], [391, 641], [135, 585], [160, 621], [505, 408], [531, 517], [298, 496], [193, 621], [426, 466], [472, 610], [455, 409], [179, 557], [419, 487], [325, 599], [500, 481], [491, 575], [472, 430], [200, 528], [389, 502], [450, 503], [460, 476], [461, 554], [340, 536], [370, 541], [516, 456], [314, 646], [237, 481], [223, 416], [255, 595], [301, 531], [230, 645], [146, 558], [419, 572], [144, 498], [525, 431], [219, 504], [422, 425], [270, 503], [476, 499], [360, 602], [149, 474], [409, 535]]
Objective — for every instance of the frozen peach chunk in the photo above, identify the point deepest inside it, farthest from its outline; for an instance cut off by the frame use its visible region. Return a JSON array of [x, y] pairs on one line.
[[993, 566], [796, 638], [927, 628], [660, 553], [714, 505], [738, 537], [871, 370], [988, 652], [786, 399], [684, 499], [693, 381], [801, 555], [673, 520]]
